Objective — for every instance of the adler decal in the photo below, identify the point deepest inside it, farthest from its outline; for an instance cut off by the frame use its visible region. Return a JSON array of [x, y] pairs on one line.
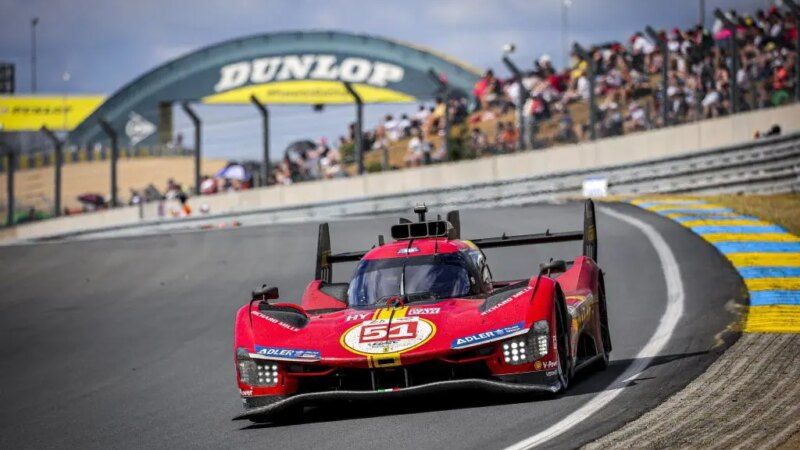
[[307, 67], [378, 337]]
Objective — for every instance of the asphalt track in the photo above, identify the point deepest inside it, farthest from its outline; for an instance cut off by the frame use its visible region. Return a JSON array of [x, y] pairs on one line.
[[126, 342]]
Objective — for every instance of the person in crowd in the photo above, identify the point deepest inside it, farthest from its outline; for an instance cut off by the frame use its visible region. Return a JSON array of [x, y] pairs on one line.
[[208, 185], [488, 90], [499, 130], [392, 127], [151, 193], [566, 129], [508, 139], [404, 126], [415, 152], [331, 164], [135, 199], [436, 118], [421, 116], [173, 189], [477, 142]]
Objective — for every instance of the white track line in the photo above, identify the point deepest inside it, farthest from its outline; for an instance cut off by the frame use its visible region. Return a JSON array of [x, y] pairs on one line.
[[666, 326]]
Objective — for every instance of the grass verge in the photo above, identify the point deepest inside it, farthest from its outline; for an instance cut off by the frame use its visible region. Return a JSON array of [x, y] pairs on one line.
[[780, 209]]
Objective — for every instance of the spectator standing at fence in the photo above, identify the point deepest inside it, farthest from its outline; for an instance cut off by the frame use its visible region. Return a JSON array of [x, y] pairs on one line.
[[477, 142], [404, 126], [508, 138], [331, 164], [414, 151]]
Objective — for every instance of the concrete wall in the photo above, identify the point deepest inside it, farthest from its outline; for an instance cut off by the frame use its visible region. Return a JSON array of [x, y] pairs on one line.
[[622, 150]]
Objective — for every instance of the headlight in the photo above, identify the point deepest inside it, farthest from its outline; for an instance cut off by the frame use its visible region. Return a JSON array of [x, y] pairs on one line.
[[256, 372], [528, 348]]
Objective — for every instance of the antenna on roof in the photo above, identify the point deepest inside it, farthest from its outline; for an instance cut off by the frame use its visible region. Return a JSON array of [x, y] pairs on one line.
[[420, 209]]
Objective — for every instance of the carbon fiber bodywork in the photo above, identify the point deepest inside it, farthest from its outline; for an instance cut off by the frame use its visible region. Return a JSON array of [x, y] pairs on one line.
[[500, 387]]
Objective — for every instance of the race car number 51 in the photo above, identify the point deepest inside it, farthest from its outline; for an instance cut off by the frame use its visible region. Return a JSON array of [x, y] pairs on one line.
[[385, 331], [382, 336]]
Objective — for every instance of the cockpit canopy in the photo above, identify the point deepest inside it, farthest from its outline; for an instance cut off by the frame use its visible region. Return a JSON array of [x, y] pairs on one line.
[[415, 278]]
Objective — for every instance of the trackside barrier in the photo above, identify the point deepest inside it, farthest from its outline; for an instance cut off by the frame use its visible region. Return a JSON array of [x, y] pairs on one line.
[[655, 161]]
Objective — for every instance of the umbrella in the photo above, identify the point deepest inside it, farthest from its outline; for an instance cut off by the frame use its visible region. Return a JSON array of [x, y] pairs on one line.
[[301, 147], [93, 199], [234, 172]]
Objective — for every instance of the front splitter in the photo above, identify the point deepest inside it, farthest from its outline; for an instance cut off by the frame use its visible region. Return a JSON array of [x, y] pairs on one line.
[[499, 387]]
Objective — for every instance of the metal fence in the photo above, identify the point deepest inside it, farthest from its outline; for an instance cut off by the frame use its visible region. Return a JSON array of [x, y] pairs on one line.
[[760, 166], [97, 153]]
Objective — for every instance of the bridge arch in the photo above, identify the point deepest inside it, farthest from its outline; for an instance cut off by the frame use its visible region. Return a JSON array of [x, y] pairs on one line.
[[277, 68]]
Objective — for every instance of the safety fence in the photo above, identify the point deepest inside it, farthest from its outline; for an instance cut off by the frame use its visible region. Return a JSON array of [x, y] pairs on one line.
[[95, 153], [759, 166]]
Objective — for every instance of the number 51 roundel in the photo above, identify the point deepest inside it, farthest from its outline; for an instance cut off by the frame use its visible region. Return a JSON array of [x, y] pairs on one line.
[[375, 337]]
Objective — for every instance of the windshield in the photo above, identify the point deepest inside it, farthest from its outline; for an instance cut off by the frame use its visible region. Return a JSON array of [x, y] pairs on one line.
[[438, 276]]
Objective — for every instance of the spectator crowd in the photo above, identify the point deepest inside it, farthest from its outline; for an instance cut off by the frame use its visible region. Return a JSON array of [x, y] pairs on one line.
[[627, 90], [628, 96], [627, 81]]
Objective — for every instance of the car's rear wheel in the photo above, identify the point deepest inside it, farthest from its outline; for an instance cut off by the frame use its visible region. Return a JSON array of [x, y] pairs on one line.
[[605, 333], [562, 341]]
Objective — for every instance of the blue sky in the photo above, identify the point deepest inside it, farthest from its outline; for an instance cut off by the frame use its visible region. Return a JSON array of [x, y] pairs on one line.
[[104, 44]]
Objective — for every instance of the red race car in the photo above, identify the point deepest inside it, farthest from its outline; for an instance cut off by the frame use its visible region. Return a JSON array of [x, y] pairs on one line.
[[423, 314]]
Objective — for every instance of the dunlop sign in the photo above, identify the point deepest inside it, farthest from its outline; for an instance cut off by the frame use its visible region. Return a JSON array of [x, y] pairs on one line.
[[304, 67], [307, 79]]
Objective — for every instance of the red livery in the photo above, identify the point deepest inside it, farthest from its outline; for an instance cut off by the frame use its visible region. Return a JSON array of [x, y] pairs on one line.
[[420, 314]]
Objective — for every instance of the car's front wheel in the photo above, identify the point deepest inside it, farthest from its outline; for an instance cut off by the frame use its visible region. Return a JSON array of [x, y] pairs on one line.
[[562, 341]]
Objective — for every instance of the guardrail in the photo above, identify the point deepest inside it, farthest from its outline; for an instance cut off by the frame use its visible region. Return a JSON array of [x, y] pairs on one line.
[[759, 166], [763, 166]]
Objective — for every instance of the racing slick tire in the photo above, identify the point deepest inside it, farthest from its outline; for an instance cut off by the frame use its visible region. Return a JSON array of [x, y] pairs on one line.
[[605, 334], [562, 332]]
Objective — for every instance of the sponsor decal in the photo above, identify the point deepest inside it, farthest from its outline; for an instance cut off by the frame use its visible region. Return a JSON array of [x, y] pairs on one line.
[[422, 311], [274, 321], [352, 317], [551, 373], [288, 354], [384, 336], [307, 67], [539, 365], [138, 128], [246, 393], [489, 336], [56, 112], [506, 301], [579, 307], [407, 251]]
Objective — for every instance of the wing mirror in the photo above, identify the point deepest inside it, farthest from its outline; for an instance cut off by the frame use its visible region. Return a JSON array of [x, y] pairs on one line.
[[266, 293]]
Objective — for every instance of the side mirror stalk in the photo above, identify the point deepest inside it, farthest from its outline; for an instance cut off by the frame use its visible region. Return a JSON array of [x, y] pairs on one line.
[[265, 293]]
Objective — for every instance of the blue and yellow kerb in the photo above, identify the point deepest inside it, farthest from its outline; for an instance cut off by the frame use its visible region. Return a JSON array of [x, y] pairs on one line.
[[766, 256]]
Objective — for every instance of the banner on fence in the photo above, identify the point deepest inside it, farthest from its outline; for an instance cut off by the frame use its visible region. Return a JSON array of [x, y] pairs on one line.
[[58, 113]]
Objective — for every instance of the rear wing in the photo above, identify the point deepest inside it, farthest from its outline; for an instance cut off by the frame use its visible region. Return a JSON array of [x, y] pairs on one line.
[[326, 259], [588, 235]]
